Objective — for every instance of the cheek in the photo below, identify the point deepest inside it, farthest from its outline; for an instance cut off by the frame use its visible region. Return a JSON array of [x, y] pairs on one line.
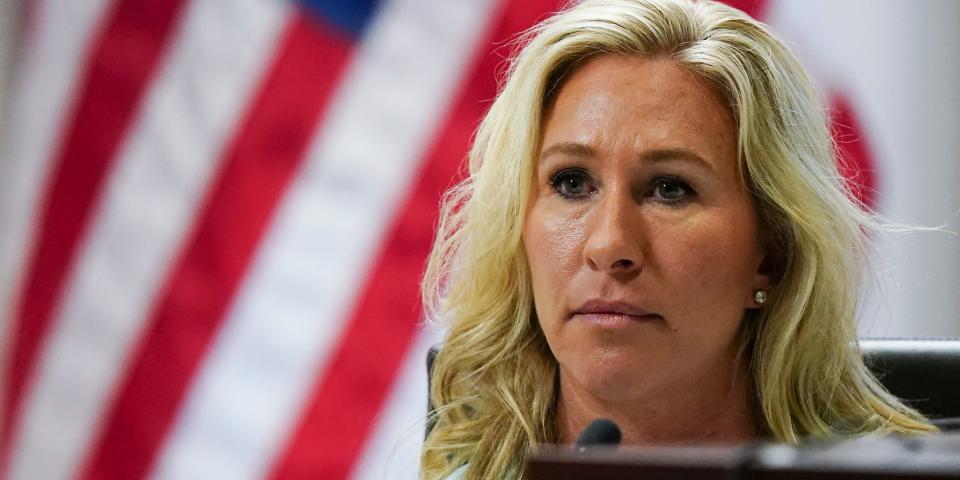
[[553, 243], [711, 257]]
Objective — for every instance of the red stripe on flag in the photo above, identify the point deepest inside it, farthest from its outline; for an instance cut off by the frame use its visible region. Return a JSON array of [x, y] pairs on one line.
[[123, 57], [257, 168], [755, 8], [346, 399], [853, 155]]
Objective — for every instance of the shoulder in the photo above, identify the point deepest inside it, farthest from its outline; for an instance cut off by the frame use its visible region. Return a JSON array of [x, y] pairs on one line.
[[458, 473]]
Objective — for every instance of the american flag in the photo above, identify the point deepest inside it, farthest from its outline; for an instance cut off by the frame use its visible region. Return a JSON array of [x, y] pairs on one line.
[[215, 215]]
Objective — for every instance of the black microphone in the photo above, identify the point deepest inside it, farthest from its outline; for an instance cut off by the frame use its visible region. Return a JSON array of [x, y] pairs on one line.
[[600, 432]]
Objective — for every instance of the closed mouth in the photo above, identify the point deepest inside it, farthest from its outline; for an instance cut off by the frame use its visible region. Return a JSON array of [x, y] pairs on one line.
[[611, 311]]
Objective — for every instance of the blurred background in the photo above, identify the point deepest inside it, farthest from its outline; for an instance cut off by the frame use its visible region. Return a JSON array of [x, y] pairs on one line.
[[214, 214]]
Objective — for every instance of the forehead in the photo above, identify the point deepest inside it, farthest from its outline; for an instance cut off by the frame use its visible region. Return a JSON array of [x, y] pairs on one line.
[[615, 102]]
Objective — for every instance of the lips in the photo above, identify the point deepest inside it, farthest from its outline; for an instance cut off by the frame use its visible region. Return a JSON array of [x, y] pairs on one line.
[[607, 311]]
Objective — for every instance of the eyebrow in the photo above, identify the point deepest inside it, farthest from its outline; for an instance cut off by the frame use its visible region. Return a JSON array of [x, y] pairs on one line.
[[571, 149], [675, 154], [574, 149]]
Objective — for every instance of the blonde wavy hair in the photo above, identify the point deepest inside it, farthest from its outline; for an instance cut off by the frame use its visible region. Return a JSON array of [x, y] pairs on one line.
[[494, 383]]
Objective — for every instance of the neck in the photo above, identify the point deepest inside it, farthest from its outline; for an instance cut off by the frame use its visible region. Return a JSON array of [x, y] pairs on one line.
[[716, 409]]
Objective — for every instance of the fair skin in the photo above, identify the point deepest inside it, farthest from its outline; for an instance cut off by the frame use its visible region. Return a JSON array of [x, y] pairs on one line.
[[644, 253]]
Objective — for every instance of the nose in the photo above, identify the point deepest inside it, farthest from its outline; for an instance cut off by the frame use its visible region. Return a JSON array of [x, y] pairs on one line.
[[614, 235]]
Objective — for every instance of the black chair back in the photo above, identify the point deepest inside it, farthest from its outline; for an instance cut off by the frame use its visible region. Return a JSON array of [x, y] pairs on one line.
[[924, 372]]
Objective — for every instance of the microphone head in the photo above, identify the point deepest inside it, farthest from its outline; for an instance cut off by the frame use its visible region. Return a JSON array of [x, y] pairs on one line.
[[600, 432]]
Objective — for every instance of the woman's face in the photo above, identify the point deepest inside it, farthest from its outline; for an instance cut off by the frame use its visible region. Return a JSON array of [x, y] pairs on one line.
[[642, 242]]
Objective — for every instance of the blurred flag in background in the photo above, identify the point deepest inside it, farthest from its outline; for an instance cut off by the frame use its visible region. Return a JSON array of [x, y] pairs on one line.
[[215, 214]]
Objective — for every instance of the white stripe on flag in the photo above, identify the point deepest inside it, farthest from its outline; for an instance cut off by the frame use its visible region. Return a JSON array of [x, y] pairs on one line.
[[393, 450], [897, 65], [50, 63], [149, 205], [290, 311]]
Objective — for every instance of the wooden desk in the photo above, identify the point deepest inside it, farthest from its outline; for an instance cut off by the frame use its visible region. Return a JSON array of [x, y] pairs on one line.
[[926, 458]]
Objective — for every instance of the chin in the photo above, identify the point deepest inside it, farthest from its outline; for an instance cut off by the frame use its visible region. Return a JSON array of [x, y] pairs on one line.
[[614, 374]]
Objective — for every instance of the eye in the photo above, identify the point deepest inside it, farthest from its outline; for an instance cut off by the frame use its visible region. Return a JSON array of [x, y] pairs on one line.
[[671, 190], [573, 183]]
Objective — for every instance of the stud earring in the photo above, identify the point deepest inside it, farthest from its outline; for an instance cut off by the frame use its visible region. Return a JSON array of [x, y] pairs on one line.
[[760, 297]]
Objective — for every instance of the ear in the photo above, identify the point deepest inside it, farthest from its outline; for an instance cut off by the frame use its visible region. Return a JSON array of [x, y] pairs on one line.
[[768, 269], [761, 281]]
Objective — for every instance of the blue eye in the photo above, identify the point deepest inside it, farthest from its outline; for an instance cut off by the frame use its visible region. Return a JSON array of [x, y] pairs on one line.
[[671, 190], [571, 183]]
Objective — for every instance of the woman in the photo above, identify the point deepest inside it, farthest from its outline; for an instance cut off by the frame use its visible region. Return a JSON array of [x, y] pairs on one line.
[[653, 231]]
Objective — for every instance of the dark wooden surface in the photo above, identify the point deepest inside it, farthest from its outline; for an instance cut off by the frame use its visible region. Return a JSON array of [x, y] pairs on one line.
[[933, 457]]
